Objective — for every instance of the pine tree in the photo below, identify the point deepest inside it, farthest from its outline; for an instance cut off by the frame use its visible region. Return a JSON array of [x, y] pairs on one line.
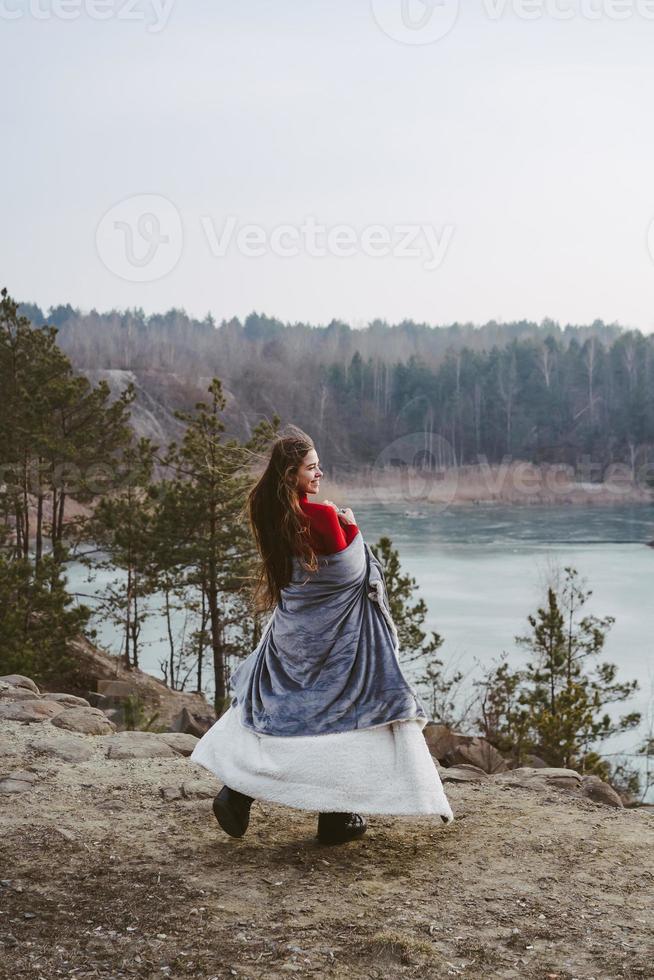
[[566, 700], [213, 543], [503, 719], [58, 435], [38, 621], [122, 525], [54, 429], [555, 705]]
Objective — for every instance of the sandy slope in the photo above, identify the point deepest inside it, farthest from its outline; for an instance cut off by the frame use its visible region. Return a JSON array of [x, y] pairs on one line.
[[102, 877]]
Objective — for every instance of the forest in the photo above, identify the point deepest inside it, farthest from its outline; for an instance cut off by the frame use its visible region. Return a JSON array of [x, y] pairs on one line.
[[538, 392]]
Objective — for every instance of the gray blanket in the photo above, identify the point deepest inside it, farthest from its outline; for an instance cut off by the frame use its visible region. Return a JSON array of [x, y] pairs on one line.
[[328, 658]]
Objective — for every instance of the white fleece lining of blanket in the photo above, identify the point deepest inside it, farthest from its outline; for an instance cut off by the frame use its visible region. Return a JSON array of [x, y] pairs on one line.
[[384, 770]]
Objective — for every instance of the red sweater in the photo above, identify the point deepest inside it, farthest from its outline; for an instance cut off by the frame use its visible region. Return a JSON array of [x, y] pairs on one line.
[[326, 532]]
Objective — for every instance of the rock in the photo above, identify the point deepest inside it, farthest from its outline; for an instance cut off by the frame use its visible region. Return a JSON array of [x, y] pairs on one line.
[[548, 772], [544, 778], [463, 774], [564, 782], [198, 789], [94, 667], [180, 741], [439, 739], [600, 792], [139, 745], [19, 781], [88, 721], [454, 749], [97, 700], [18, 680], [10, 693], [535, 762], [24, 774], [68, 748], [192, 724], [69, 699], [170, 793], [30, 710]]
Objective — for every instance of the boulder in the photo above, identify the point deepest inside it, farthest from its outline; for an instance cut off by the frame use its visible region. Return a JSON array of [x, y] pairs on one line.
[[192, 724], [198, 789], [19, 781], [88, 721], [67, 748], [543, 778], [31, 710], [600, 792], [535, 762], [589, 786], [454, 749], [439, 739], [9, 693], [139, 745], [18, 680], [180, 741], [463, 774], [97, 700], [70, 700]]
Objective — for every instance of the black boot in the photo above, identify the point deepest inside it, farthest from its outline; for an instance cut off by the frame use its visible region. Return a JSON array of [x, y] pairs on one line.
[[336, 828], [232, 811]]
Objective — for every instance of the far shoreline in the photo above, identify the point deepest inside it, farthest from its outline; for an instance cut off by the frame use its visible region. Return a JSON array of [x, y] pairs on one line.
[[521, 484]]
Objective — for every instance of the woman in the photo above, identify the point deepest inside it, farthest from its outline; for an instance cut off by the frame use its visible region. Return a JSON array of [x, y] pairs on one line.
[[322, 717]]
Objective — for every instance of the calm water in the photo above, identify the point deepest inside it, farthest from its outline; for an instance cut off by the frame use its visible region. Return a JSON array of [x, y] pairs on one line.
[[482, 569]]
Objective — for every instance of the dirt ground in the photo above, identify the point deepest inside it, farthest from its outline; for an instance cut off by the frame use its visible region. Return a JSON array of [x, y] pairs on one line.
[[102, 877]]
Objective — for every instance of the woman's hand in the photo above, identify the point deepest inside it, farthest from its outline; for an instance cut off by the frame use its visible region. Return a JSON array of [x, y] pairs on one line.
[[345, 515]]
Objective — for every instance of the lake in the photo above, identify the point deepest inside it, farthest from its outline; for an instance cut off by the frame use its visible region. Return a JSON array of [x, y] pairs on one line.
[[482, 569]]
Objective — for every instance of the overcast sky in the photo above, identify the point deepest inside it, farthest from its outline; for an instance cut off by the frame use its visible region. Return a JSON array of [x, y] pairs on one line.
[[493, 162]]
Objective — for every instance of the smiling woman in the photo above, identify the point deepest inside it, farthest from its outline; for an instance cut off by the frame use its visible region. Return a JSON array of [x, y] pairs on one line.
[[330, 528], [322, 717]]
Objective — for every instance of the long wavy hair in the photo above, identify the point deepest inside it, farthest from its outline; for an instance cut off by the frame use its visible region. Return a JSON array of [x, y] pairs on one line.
[[278, 523]]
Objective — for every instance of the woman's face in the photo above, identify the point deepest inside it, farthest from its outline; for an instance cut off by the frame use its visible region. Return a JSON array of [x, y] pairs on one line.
[[309, 473]]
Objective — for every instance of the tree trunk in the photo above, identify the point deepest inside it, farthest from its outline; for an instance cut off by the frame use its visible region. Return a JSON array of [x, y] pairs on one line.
[[171, 642], [128, 609]]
